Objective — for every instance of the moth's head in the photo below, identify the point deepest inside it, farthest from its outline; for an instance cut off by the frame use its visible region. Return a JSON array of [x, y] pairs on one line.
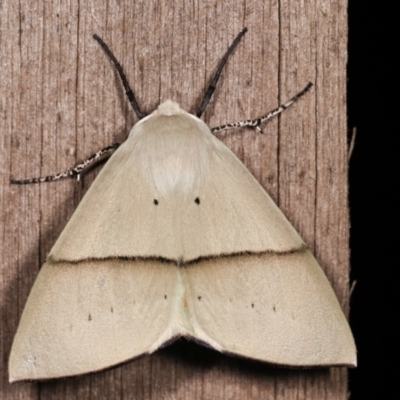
[[168, 107], [170, 114]]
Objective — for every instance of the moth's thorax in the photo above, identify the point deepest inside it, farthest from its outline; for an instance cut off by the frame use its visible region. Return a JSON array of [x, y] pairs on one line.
[[174, 148]]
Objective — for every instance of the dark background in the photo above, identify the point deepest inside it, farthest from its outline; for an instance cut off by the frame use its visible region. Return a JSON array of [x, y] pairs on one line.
[[373, 108]]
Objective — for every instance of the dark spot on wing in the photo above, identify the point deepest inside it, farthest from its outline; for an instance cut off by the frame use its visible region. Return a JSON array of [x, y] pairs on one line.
[[197, 200], [252, 305], [165, 296], [155, 201], [199, 297], [112, 309], [274, 308], [89, 317]]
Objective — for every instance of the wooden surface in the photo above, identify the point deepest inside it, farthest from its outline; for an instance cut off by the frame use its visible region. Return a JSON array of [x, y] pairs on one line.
[[61, 101]]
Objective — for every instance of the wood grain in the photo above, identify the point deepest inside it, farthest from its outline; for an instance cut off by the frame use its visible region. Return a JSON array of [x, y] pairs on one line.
[[61, 101]]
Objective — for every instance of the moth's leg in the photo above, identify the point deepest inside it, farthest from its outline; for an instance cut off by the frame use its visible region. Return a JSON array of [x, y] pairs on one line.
[[74, 172], [255, 123]]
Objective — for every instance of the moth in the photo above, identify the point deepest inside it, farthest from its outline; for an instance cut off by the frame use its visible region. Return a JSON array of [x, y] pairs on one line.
[[175, 238]]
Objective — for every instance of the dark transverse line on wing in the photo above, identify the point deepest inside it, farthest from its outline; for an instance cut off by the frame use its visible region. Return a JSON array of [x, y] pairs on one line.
[[302, 249]]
